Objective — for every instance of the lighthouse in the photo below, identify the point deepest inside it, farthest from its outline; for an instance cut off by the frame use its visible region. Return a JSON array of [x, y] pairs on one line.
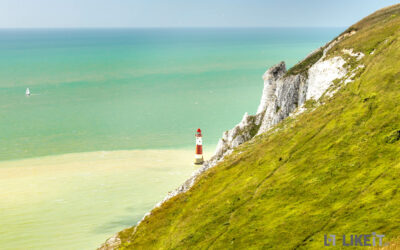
[[198, 157]]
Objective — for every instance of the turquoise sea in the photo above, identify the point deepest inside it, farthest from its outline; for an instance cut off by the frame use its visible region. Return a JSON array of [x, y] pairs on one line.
[[109, 127]]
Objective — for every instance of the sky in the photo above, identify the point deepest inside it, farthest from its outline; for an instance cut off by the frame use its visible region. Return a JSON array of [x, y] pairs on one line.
[[184, 13]]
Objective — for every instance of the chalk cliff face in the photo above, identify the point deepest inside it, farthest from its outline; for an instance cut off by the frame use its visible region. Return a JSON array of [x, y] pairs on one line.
[[283, 93]]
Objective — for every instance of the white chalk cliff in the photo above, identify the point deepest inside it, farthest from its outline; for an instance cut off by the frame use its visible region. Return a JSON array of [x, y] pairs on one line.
[[283, 93]]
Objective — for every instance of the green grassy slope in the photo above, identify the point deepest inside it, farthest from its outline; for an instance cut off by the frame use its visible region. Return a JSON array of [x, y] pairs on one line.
[[334, 169]]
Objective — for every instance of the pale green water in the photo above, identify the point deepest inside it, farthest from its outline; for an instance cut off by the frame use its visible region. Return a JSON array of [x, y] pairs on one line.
[[95, 90], [77, 201]]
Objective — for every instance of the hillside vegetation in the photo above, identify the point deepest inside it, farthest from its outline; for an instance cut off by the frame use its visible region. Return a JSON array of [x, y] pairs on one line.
[[335, 169]]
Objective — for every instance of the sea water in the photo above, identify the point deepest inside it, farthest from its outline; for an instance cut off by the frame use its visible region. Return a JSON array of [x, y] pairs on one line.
[[109, 126]]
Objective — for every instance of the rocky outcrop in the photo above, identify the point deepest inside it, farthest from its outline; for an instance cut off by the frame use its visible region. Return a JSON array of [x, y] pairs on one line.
[[241, 133], [282, 94], [322, 74], [111, 243]]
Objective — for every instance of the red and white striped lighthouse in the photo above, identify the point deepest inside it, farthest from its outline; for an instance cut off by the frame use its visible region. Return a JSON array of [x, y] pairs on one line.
[[198, 157]]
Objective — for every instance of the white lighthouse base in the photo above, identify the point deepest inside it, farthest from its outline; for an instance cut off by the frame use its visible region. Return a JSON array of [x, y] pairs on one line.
[[198, 159]]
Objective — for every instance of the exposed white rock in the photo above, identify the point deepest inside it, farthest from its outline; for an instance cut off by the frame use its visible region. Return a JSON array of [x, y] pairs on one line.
[[322, 74], [111, 244], [242, 132], [284, 94], [270, 77]]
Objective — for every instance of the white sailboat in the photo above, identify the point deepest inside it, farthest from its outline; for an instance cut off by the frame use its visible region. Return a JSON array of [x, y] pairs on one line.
[[27, 92]]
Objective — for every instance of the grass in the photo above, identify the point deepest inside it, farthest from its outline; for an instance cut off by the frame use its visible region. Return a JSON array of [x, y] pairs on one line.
[[303, 66], [393, 245], [334, 169]]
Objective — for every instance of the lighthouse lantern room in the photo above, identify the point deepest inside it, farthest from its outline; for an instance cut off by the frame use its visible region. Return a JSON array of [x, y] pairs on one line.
[[198, 157]]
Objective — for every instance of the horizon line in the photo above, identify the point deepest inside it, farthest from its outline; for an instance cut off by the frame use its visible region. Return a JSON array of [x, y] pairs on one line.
[[169, 27]]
